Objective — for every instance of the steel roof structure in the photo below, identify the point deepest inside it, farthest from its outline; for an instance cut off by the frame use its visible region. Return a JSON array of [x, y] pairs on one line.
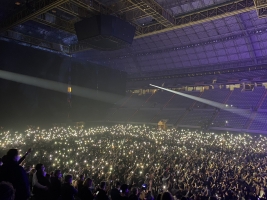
[[172, 36]]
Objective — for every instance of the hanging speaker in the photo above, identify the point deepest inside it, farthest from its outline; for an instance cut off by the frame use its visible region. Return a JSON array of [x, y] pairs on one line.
[[105, 32]]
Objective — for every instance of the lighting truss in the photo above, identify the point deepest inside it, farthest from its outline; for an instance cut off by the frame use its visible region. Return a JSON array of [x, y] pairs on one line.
[[261, 7], [93, 5], [74, 10], [27, 13], [153, 9], [200, 17], [55, 22]]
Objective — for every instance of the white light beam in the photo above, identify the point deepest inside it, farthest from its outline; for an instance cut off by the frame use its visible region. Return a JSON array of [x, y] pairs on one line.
[[206, 101], [241, 112], [60, 87]]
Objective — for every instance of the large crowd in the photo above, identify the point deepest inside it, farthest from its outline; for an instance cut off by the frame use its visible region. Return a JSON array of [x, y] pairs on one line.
[[131, 162]]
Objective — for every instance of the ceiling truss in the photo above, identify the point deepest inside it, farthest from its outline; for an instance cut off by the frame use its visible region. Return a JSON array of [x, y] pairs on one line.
[[153, 9], [37, 8], [201, 16], [130, 10], [261, 7], [55, 22], [74, 10]]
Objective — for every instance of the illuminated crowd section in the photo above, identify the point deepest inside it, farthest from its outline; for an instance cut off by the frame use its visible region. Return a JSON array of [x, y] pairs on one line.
[[128, 151]]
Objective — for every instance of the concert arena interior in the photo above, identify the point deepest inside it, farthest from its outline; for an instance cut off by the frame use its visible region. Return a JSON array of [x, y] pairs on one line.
[[133, 99]]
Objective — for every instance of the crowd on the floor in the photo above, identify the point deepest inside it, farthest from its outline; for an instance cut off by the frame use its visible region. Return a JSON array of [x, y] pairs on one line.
[[131, 162]]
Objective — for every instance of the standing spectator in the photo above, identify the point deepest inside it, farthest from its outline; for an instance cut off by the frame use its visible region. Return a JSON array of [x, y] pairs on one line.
[[115, 192], [67, 190], [11, 172], [134, 193], [32, 172], [79, 182], [149, 196], [101, 192], [35, 183], [166, 196], [40, 193], [158, 197], [124, 192], [55, 187], [85, 192]]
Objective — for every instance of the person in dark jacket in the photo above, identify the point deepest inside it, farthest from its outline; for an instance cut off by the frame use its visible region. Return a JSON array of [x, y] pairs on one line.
[[115, 192], [11, 172], [67, 190], [55, 187], [85, 192], [134, 194], [101, 192], [124, 192], [80, 182], [40, 193]]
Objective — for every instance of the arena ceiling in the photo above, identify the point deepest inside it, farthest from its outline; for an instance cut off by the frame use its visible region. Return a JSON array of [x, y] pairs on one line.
[[172, 36]]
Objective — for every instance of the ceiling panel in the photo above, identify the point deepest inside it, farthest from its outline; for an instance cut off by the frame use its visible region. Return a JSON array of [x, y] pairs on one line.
[[197, 4], [186, 64], [176, 59], [199, 49], [223, 30], [201, 55], [194, 62], [212, 33], [176, 10], [198, 28], [188, 30], [171, 35], [190, 51], [208, 47], [258, 53], [208, 26], [186, 7], [244, 55], [231, 50], [202, 35], [203, 61], [211, 54], [208, 2], [222, 58], [221, 52], [233, 57], [218, 45], [264, 52], [242, 48], [213, 60]]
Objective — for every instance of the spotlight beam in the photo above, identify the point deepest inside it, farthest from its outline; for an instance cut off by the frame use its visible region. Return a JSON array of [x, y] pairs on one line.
[[206, 101], [241, 112], [60, 87]]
